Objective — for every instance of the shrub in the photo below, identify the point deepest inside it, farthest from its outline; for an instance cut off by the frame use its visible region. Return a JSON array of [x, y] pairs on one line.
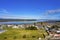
[[15, 37], [33, 36], [24, 36], [43, 35], [5, 37], [31, 28], [55, 27]]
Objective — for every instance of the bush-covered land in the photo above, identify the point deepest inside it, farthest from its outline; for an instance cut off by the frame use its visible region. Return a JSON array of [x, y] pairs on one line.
[[22, 34]]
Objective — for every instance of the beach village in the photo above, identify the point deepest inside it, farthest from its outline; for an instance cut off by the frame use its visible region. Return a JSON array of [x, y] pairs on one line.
[[35, 31]]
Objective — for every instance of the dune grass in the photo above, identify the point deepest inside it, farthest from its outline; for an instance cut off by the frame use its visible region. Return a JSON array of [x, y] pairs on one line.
[[18, 34]]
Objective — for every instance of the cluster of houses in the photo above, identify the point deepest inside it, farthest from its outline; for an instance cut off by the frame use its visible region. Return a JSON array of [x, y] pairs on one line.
[[20, 25], [54, 34], [47, 26]]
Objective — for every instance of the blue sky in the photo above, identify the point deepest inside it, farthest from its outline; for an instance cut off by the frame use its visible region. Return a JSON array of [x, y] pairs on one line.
[[30, 9]]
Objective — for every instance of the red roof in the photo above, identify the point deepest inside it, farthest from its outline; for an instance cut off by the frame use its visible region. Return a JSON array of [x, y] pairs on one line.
[[57, 35]]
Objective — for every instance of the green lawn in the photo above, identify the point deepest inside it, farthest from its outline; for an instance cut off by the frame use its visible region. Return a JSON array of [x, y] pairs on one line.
[[18, 34]]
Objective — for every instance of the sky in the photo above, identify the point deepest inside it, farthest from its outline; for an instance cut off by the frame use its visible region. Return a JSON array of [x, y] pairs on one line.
[[30, 9]]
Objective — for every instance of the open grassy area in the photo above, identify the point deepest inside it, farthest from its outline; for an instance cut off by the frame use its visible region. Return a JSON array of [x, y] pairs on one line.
[[18, 34]]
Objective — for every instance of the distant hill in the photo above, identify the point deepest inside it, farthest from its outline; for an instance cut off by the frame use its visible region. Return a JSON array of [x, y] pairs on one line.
[[6, 20], [51, 21], [1, 18], [48, 20], [38, 20]]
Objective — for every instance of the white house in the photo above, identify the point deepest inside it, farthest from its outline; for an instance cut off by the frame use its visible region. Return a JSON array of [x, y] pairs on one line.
[[20, 26], [15, 26], [9, 25]]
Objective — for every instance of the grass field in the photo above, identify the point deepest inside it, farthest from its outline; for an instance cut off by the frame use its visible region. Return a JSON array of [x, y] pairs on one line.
[[19, 34]]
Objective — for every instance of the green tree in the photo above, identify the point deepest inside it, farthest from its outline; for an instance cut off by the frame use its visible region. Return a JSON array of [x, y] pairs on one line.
[[55, 27], [31, 28]]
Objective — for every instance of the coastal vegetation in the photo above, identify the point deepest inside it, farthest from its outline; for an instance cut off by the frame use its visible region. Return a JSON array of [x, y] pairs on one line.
[[22, 34], [31, 28]]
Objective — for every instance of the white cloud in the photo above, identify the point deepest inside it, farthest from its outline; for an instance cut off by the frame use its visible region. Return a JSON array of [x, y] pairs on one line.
[[7, 15], [53, 11]]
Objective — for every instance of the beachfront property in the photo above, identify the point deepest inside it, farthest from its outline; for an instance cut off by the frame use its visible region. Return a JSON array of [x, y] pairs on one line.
[[21, 25], [38, 25], [54, 33], [46, 26]]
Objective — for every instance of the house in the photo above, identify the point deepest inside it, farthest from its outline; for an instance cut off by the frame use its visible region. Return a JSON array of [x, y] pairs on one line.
[[21, 26], [9, 25], [15, 26]]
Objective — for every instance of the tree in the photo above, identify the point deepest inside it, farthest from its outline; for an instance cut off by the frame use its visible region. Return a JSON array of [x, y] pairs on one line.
[[55, 27], [31, 28]]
